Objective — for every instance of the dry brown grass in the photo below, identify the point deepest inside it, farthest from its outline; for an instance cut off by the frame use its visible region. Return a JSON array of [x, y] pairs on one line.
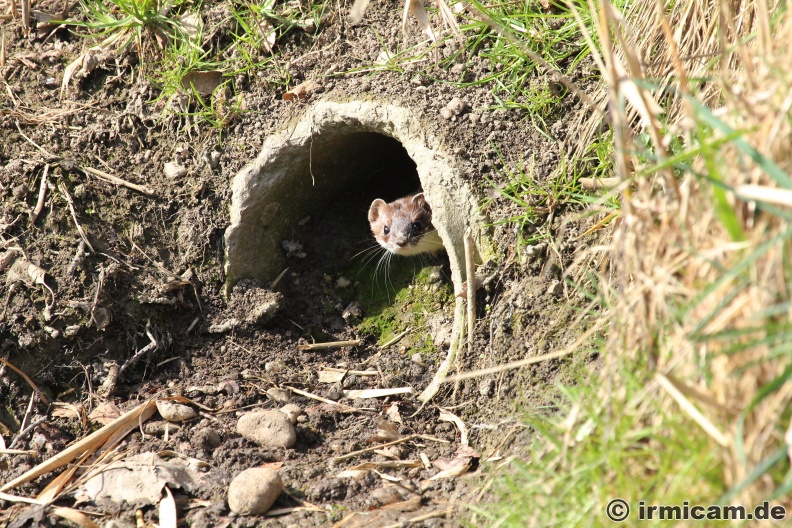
[[686, 283]]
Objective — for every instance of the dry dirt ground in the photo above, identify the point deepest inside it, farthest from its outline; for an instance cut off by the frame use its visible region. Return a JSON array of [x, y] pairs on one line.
[[146, 274]]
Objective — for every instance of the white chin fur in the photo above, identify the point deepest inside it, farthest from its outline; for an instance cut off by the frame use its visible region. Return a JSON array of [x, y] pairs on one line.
[[428, 243]]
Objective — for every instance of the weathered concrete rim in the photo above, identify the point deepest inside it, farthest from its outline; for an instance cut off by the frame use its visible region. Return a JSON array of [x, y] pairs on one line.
[[269, 194]]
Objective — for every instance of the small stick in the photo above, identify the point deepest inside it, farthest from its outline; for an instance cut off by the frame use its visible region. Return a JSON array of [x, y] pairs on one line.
[[329, 345], [70, 202], [79, 255], [274, 283], [118, 181], [595, 184], [27, 378], [456, 337], [17, 452], [409, 438], [9, 257], [99, 285], [26, 431], [140, 353], [343, 407], [192, 325], [529, 361], [26, 17], [397, 338], [470, 270], [28, 411], [353, 372], [42, 149], [423, 517]]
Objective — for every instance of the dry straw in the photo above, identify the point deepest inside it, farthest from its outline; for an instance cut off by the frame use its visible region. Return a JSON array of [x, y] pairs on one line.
[[697, 270]]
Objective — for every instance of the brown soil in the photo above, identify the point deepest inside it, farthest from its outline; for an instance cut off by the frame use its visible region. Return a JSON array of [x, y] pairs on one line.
[[155, 271]]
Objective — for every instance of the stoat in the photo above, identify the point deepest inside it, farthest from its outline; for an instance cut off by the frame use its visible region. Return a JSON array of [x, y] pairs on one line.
[[404, 226]]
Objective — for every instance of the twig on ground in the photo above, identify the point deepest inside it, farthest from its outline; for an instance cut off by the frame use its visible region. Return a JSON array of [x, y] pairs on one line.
[[28, 412], [353, 372], [397, 338], [596, 184], [99, 285], [341, 406], [691, 410], [79, 255], [330, 345], [42, 149], [470, 271], [153, 345], [424, 517], [9, 257], [34, 214], [409, 438], [26, 431], [529, 361], [29, 381], [26, 17], [192, 325], [107, 387], [70, 202], [456, 338], [109, 178]]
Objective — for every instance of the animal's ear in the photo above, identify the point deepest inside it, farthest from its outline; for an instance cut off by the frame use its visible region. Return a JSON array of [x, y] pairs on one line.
[[374, 210], [418, 200]]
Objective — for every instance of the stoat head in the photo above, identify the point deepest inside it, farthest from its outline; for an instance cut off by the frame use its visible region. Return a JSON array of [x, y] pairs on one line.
[[404, 227]]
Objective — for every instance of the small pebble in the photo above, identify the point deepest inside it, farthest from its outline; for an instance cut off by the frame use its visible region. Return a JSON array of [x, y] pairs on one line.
[[274, 366], [279, 395], [223, 327], [343, 282], [292, 411], [253, 491], [445, 113], [175, 412], [456, 105], [556, 288], [268, 429], [214, 159], [486, 386], [206, 439], [174, 170]]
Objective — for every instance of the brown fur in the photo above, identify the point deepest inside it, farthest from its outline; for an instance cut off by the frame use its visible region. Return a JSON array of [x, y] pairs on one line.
[[393, 225]]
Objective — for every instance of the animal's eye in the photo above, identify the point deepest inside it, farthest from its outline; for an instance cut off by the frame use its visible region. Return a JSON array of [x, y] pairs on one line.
[[416, 226], [386, 230]]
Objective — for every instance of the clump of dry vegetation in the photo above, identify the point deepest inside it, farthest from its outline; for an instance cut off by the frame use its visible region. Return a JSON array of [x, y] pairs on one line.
[[692, 402]]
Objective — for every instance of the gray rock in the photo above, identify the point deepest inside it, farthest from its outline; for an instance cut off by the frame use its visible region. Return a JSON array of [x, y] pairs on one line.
[[268, 429], [292, 411], [456, 105], [225, 326], [555, 289], [206, 439], [278, 395], [174, 170], [265, 311], [253, 491], [175, 412]]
